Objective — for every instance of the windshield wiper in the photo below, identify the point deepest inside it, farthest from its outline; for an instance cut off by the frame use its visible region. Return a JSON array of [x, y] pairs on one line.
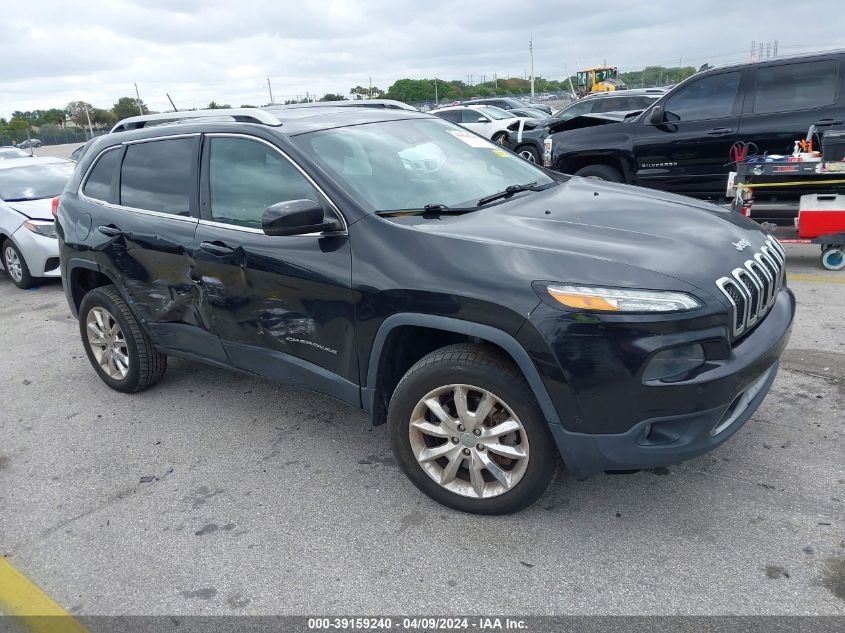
[[431, 209], [507, 193]]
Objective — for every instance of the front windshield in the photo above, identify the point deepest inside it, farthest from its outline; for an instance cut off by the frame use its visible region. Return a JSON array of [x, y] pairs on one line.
[[34, 182], [496, 113], [412, 163]]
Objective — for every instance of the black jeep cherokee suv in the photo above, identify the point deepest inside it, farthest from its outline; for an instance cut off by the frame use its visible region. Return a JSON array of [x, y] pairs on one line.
[[491, 313]]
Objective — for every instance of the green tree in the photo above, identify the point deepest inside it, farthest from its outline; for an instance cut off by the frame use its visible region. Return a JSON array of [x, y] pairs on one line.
[[101, 119], [330, 96], [127, 107], [76, 112], [213, 105]]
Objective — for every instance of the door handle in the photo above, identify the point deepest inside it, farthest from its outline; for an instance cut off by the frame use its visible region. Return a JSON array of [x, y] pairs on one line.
[[216, 248], [720, 131], [824, 122], [110, 230]]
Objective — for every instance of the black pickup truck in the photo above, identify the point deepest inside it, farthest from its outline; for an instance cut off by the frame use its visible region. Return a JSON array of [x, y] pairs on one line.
[[682, 143]]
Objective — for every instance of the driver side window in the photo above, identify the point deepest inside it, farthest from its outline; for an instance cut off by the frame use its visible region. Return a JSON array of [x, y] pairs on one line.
[[247, 176], [709, 98], [471, 116]]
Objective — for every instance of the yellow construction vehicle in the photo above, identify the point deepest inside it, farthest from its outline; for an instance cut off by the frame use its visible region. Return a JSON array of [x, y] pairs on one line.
[[599, 79]]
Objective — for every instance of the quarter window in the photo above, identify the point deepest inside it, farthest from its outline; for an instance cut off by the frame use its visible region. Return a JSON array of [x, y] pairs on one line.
[[98, 185], [246, 177], [158, 175], [796, 86], [709, 98]]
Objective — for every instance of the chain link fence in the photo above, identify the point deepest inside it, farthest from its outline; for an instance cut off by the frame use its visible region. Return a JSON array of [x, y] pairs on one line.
[[57, 136]]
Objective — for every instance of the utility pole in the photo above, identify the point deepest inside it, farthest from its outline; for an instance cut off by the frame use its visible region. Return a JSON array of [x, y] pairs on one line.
[[436, 100], [753, 47], [496, 81], [371, 87], [775, 52], [531, 51], [90, 127], [138, 95], [270, 88]]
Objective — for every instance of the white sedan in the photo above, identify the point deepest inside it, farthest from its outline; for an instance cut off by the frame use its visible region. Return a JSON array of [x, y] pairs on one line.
[[28, 243], [488, 121]]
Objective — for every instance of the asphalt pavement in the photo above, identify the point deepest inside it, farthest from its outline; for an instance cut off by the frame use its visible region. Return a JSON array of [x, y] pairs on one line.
[[219, 493]]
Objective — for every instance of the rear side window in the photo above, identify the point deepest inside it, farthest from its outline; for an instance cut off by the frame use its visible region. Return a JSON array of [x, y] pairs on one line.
[[157, 175], [451, 115], [796, 86], [98, 185], [246, 177], [709, 98]]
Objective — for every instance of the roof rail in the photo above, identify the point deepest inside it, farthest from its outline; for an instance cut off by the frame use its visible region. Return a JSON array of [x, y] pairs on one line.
[[244, 115], [357, 103]]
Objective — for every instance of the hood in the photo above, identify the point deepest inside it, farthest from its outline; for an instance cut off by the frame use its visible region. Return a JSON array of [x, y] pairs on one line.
[[40, 209], [674, 236]]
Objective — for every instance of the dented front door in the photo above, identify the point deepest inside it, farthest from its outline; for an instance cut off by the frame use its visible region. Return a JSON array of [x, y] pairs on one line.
[[282, 306]]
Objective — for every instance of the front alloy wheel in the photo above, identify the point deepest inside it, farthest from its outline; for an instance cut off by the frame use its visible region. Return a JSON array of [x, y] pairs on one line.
[[12, 263], [466, 429], [469, 441], [107, 342]]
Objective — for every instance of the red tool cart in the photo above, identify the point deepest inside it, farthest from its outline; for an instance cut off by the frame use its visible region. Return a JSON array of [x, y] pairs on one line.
[[820, 217]]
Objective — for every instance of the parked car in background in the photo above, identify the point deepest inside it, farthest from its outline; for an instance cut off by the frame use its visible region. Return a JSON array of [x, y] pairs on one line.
[[492, 314], [30, 142], [682, 143], [528, 140], [488, 121], [508, 103], [28, 190], [10, 152], [529, 113]]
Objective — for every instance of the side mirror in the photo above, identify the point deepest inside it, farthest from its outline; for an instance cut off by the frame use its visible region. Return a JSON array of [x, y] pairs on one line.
[[657, 115], [295, 217], [483, 119]]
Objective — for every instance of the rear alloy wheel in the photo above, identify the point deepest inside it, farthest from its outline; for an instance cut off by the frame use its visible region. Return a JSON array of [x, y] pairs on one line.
[[466, 429], [600, 172], [119, 350], [16, 267], [529, 153]]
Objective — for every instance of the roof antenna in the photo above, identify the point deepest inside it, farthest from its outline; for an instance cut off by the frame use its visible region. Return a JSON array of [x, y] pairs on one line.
[[175, 109]]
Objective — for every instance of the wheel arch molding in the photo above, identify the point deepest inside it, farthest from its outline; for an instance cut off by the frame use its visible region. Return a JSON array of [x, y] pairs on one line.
[[487, 333]]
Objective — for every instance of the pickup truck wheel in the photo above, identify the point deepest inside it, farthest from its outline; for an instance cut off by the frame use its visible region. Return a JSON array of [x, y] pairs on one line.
[[466, 429], [529, 153], [601, 172], [119, 350]]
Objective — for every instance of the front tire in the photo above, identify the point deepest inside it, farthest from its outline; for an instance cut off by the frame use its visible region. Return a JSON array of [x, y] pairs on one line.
[[119, 350], [16, 267], [600, 172], [467, 431]]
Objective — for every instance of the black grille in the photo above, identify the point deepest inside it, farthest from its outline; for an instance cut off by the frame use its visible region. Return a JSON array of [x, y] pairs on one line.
[[51, 263], [753, 288]]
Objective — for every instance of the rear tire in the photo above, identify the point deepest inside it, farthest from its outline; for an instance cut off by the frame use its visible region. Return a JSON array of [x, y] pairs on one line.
[[499, 138], [492, 454], [529, 153], [600, 172], [16, 268], [119, 350]]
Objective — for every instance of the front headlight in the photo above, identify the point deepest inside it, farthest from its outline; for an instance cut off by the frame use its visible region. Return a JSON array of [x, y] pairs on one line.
[[622, 299], [47, 229]]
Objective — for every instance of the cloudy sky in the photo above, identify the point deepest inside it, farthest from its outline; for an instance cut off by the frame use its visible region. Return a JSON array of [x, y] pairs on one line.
[[198, 50]]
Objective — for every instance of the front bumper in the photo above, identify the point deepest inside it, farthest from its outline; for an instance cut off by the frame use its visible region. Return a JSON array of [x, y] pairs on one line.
[[674, 422], [41, 253]]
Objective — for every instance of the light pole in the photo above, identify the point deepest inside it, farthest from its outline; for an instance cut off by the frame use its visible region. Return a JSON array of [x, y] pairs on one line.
[[531, 51]]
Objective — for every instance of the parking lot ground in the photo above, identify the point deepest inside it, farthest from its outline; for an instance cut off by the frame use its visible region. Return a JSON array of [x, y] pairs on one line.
[[219, 493]]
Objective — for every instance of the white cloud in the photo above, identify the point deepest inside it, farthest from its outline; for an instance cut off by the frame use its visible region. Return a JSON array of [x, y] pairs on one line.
[[199, 50]]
